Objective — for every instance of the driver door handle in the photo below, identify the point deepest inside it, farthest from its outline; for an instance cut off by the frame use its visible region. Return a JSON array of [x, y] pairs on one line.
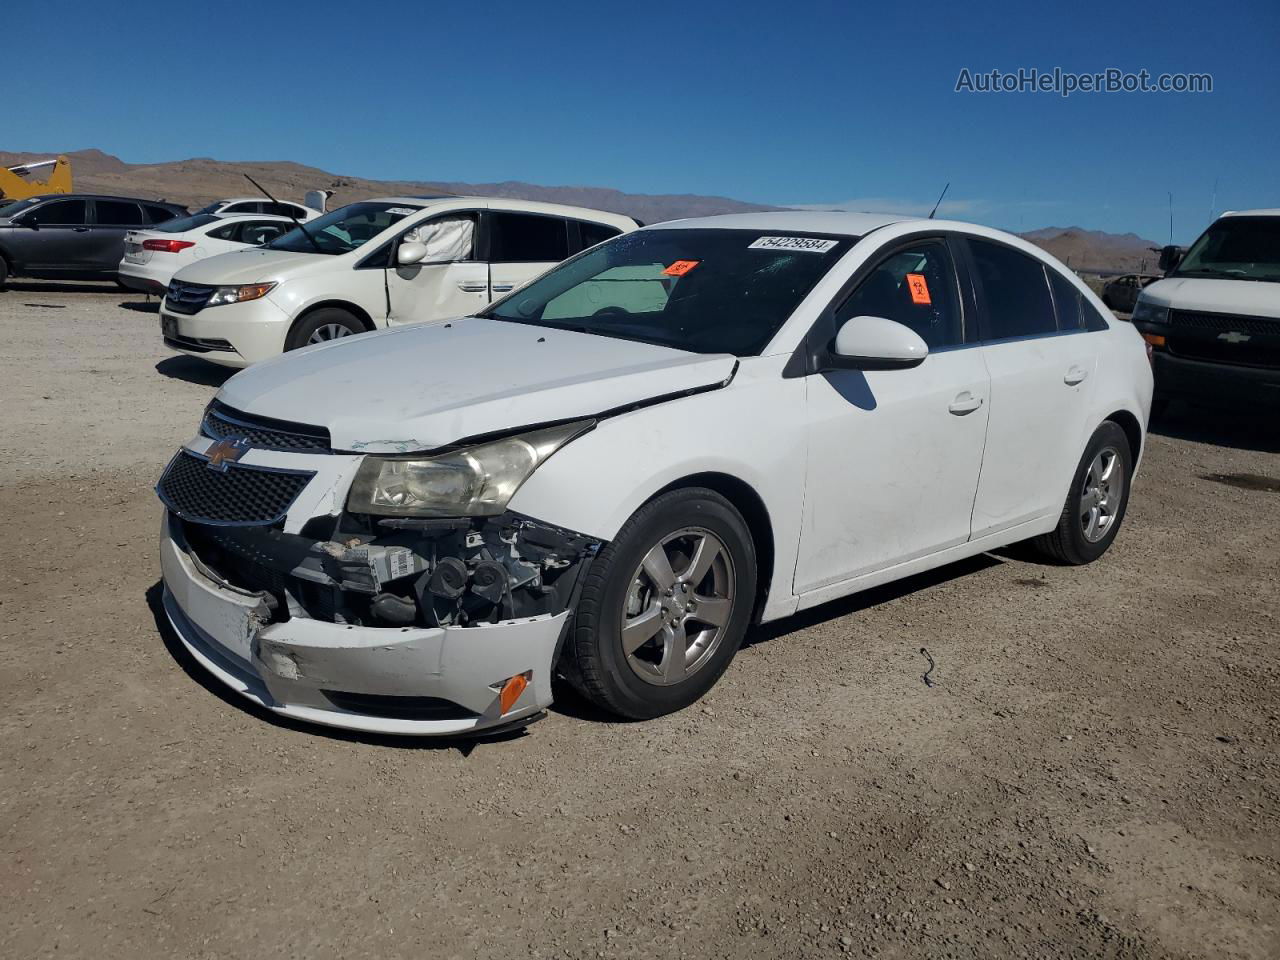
[[1074, 375], [473, 286], [965, 402]]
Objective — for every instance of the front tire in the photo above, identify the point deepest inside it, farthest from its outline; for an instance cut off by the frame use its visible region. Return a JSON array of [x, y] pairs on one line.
[[321, 326], [1095, 504], [665, 606]]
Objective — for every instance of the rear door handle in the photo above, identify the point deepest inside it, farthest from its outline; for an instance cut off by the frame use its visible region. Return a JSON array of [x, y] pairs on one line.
[[81, 229], [503, 287], [473, 286], [1074, 375], [965, 403]]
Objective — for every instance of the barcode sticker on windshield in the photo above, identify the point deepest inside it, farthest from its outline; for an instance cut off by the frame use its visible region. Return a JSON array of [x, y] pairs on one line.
[[401, 211], [805, 244]]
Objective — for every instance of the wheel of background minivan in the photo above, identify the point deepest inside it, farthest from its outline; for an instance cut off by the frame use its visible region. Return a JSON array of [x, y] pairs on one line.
[[4, 273], [664, 606], [1096, 502], [320, 326]]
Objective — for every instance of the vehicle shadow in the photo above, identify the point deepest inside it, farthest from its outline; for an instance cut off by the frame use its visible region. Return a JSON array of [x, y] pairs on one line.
[[570, 703], [182, 367], [147, 306], [60, 286], [195, 672], [1242, 429]]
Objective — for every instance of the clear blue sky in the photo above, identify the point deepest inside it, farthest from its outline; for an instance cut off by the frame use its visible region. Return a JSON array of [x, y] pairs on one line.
[[774, 102]]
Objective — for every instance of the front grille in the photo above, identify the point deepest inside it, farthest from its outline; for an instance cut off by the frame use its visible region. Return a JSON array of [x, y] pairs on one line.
[[187, 297], [223, 421], [1224, 323], [1218, 351], [232, 494]]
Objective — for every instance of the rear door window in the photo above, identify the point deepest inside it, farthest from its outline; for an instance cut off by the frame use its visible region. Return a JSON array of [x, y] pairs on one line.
[[1015, 292], [117, 213], [62, 213], [527, 238], [158, 214]]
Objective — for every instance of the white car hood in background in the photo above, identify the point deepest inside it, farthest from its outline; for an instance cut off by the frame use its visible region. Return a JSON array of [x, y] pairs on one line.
[[430, 385], [1251, 297], [245, 266]]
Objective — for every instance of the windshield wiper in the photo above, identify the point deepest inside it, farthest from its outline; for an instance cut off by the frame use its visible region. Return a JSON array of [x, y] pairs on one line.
[[288, 211]]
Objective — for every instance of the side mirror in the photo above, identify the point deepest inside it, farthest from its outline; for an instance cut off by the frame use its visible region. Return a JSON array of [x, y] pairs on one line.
[[27, 220], [1170, 257], [874, 343], [411, 252]]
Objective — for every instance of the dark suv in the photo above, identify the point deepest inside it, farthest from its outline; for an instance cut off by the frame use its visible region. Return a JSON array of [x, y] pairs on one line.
[[72, 236]]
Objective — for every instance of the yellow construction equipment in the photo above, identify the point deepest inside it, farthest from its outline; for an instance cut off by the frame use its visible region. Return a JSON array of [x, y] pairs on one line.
[[15, 186]]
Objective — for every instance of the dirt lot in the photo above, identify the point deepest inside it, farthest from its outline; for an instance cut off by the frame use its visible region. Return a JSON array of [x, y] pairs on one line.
[[1094, 772]]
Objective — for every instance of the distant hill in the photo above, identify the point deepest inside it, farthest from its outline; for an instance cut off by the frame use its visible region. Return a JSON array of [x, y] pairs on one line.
[[1093, 251], [200, 180]]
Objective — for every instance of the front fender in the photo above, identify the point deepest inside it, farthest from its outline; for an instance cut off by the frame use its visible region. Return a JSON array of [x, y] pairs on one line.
[[751, 430]]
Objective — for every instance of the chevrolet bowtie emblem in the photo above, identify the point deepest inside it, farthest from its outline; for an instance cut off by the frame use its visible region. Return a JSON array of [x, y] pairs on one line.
[[226, 451], [1234, 336]]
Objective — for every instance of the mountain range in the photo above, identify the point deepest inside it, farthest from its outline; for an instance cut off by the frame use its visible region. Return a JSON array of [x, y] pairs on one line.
[[200, 180]]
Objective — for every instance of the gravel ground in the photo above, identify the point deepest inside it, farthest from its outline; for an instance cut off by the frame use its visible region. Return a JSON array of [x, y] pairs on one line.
[[1092, 773]]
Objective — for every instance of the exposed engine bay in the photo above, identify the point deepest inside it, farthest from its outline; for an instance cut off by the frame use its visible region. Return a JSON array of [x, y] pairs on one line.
[[394, 572]]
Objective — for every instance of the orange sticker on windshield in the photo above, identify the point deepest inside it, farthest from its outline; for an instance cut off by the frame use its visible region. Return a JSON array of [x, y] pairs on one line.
[[681, 267], [919, 289]]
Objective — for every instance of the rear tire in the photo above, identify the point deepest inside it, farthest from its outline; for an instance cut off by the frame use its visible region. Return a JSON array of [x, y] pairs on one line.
[[669, 657], [4, 273], [1096, 502], [320, 326]]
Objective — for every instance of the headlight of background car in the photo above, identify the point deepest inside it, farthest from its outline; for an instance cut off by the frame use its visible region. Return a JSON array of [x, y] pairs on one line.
[[248, 291], [476, 481], [1144, 311]]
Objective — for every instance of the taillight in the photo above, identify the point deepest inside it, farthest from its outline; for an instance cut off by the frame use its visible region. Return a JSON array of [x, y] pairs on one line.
[[166, 246]]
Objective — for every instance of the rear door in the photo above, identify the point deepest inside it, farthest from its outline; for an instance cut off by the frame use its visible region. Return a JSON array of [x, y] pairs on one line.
[[1042, 379], [521, 246], [112, 219], [53, 241]]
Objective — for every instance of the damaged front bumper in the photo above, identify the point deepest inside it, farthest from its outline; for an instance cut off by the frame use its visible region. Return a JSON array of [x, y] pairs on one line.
[[361, 673]]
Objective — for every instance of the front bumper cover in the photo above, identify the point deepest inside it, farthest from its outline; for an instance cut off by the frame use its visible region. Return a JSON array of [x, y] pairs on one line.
[[442, 681]]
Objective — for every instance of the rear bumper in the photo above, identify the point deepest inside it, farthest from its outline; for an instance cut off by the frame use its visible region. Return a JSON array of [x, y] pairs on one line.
[[144, 277], [442, 681], [1178, 376]]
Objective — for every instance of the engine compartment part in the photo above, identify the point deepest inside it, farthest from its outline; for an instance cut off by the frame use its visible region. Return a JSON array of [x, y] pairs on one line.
[[398, 572]]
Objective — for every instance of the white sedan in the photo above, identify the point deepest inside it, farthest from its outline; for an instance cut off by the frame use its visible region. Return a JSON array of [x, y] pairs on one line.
[[612, 473], [152, 256]]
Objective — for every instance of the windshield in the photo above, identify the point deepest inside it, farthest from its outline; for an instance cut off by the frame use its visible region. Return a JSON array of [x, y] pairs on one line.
[[344, 229], [11, 208], [183, 224], [702, 290], [1235, 248]]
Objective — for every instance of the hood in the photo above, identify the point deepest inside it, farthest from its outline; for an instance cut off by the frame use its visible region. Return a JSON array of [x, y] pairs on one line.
[[430, 385], [1257, 298], [246, 266]]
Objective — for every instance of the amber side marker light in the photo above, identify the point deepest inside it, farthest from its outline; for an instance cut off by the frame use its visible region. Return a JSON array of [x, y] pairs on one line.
[[512, 689], [1155, 339]]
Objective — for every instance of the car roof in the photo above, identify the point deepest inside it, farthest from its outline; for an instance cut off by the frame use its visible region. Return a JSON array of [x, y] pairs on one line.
[[103, 196], [517, 206], [292, 203], [802, 221], [1266, 212]]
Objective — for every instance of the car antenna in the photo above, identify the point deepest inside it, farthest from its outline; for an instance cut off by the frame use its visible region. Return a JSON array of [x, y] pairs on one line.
[[296, 222], [940, 196]]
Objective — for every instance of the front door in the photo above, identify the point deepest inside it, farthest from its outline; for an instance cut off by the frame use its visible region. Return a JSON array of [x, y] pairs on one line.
[[448, 282], [894, 455], [56, 237]]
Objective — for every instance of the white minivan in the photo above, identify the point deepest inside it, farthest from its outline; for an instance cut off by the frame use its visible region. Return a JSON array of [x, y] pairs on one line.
[[371, 264], [1213, 322]]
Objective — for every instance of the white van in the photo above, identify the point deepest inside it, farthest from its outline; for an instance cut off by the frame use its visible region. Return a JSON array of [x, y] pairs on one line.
[[368, 265], [1213, 322]]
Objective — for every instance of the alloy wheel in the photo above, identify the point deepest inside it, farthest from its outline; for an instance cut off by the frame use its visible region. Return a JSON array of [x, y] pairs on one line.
[[1100, 494]]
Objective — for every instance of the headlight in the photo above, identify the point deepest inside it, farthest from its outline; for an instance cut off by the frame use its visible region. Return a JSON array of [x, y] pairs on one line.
[[476, 481], [248, 291], [1144, 311]]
